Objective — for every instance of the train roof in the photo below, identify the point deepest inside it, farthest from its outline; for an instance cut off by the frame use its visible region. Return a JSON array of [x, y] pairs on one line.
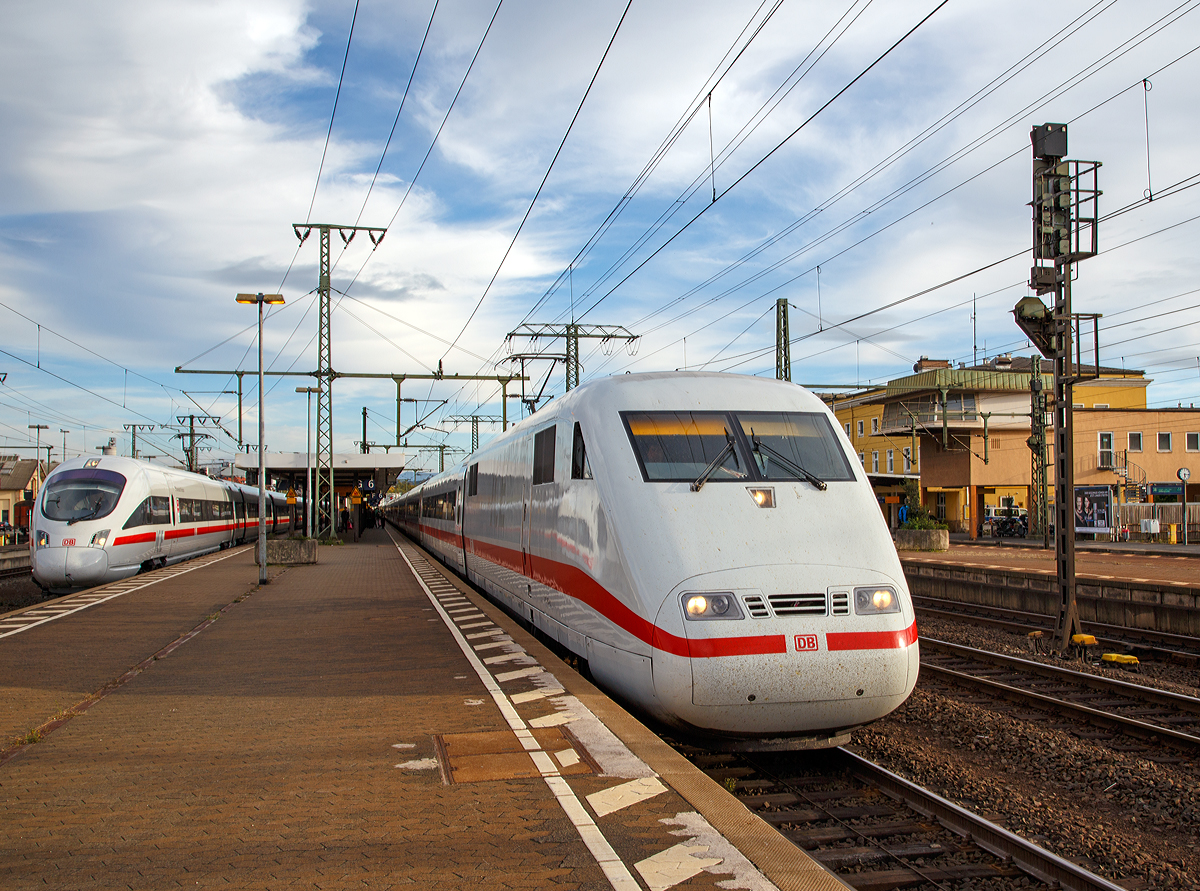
[[676, 388]]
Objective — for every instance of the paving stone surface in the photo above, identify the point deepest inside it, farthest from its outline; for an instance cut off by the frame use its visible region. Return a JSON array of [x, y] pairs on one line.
[[329, 730], [260, 753]]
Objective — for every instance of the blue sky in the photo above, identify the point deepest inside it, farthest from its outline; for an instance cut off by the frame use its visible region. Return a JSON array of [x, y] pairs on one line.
[[154, 157]]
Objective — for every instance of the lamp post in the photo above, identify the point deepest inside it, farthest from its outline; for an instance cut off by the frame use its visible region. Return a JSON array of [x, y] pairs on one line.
[[64, 433], [37, 453], [274, 299], [308, 464]]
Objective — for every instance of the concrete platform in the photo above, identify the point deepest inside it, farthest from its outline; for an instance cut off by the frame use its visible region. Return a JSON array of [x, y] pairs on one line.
[[367, 721]]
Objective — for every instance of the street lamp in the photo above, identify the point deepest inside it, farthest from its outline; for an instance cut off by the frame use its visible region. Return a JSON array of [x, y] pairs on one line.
[[274, 299], [308, 463], [64, 433], [37, 452]]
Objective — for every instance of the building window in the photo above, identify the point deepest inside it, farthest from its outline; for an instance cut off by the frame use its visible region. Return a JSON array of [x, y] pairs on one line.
[[862, 459], [1192, 442], [1106, 451], [874, 462], [860, 428], [847, 428], [1077, 405], [874, 425], [891, 461], [907, 460], [1135, 442], [941, 506], [1164, 442], [1100, 405]]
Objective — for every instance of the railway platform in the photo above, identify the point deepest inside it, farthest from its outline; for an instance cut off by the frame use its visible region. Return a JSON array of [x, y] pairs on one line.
[[368, 721]]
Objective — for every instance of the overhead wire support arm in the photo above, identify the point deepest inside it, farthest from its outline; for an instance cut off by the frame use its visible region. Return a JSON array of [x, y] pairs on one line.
[[572, 333]]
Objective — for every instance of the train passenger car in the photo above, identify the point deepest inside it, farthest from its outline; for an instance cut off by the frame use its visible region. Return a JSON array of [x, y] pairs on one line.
[[97, 520], [708, 543]]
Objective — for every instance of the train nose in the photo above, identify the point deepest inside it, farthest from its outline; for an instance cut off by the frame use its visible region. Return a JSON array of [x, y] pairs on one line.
[[70, 567]]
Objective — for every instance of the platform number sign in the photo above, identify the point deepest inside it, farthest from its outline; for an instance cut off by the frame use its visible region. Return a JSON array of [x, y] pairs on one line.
[[807, 643]]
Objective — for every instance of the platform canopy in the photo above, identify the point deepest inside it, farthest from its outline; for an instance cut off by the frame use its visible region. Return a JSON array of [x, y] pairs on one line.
[[373, 472]]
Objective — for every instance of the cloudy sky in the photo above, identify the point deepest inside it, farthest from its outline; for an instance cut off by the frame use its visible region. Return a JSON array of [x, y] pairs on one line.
[[154, 157]]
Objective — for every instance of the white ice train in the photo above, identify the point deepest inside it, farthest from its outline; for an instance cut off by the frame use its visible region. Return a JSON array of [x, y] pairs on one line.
[[98, 520], [714, 551]]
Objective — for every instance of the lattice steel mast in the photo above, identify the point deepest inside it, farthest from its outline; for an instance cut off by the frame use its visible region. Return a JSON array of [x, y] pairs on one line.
[[323, 485]]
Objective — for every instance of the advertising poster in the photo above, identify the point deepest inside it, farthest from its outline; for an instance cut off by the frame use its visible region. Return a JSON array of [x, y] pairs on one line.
[[1093, 509]]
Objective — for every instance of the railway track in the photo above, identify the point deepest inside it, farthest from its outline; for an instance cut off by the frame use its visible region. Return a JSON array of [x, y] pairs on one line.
[[877, 831], [14, 573], [1118, 706], [1159, 645]]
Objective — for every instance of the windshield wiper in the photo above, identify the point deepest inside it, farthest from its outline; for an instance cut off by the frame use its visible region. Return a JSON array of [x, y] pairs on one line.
[[95, 510], [795, 468], [717, 462]]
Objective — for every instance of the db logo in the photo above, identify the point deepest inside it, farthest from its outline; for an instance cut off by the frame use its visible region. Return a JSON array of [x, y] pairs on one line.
[[806, 643], [68, 543]]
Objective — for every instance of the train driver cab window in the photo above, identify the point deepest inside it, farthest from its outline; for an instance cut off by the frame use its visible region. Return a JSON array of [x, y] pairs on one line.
[[787, 445], [679, 446], [84, 494], [543, 456], [581, 469]]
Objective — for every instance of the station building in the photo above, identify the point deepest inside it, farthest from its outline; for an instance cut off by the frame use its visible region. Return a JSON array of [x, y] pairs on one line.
[[20, 479], [964, 432]]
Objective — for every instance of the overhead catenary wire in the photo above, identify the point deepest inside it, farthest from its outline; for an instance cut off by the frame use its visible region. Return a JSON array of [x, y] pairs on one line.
[[412, 182], [1069, 83], [545, 177], [412, 74], [333, 114], [764, 158], [1183, 184], [692, 109]]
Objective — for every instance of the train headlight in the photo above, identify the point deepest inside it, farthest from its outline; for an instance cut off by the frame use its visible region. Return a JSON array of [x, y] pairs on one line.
[[876, 599], [711, 606], [100, 539], [763, 497], [43, 540]]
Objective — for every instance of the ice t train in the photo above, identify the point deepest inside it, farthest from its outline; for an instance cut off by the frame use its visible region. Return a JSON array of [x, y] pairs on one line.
[[707, 542], [98, 520]]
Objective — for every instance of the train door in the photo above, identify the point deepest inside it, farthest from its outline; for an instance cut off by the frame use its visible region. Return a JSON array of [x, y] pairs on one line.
[[160, 505], [176, 538], [527, 472]]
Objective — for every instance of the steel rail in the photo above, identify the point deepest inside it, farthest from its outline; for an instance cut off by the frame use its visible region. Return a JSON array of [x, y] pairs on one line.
[[1140, 692], [1022, 622], [1109, 721], [1036, 861]]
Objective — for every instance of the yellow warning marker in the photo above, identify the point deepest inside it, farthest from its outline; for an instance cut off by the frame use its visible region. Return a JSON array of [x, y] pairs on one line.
[[1120, 659], [1083, 640]]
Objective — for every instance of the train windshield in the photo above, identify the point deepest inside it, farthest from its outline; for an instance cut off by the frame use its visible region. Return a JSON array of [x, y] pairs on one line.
[[794, 445], [85, 494], [678, 446]]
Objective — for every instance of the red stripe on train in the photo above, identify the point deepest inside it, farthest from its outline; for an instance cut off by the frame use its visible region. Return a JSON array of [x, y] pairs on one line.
[[135, 539], [574, 582], [872, 640]]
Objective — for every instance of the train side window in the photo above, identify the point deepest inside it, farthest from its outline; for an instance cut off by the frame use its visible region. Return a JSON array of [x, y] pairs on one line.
[[543, 456], [160, 510], [140, 516], [581, 468], [473, 480]]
